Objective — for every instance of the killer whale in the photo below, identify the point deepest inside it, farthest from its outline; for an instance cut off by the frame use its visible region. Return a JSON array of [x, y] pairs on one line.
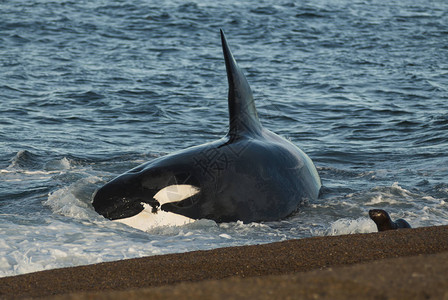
[[249, 175]]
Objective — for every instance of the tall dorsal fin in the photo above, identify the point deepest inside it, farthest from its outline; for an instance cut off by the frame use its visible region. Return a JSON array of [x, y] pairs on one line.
[[243, 115]]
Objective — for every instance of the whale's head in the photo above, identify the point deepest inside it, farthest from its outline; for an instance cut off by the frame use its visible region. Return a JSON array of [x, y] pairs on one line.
[[142, 197]]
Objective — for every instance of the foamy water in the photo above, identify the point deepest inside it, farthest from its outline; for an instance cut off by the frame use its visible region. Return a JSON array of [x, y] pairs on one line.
[[66, 231]]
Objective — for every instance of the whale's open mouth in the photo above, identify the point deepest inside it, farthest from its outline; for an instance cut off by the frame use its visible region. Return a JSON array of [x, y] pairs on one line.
[[153, 215]]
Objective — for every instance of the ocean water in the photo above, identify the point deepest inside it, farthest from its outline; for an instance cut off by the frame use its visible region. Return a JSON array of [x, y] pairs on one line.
[[90, 89]]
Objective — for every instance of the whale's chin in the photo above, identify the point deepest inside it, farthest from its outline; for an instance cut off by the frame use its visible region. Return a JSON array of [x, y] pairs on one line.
[[148, 219]]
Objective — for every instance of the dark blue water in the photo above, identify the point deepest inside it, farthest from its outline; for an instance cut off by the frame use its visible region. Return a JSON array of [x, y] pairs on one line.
[[89, 89]]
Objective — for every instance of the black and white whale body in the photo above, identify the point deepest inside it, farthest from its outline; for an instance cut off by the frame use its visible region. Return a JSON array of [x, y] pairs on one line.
[[249, 175]]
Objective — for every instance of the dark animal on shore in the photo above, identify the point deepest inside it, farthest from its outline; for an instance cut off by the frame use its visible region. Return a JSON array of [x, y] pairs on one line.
[[384, 222]]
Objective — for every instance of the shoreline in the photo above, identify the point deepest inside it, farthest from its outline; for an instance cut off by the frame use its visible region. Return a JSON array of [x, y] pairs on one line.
[[247, 266]]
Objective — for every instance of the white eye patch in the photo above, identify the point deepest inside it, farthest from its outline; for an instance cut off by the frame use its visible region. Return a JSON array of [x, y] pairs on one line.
[[148, 219], [175, 193]]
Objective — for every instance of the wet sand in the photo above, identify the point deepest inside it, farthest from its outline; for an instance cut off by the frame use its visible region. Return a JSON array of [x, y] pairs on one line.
[[407, 263]]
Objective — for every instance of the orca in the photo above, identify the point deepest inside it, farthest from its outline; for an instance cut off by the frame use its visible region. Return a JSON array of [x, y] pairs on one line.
[[249, 175]]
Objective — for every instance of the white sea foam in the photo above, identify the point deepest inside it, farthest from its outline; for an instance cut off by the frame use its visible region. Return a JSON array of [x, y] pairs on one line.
[[58, 165], [350, 226], [390, 195], [14, 172], [20, 175], [60, 242], [72, 201], [381, 199]]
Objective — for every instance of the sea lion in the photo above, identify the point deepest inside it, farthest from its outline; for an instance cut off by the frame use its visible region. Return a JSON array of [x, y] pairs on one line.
[[384, 222]]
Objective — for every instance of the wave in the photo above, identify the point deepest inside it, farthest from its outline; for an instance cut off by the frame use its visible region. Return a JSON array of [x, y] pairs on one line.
[[351, 226], [74, 200]]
